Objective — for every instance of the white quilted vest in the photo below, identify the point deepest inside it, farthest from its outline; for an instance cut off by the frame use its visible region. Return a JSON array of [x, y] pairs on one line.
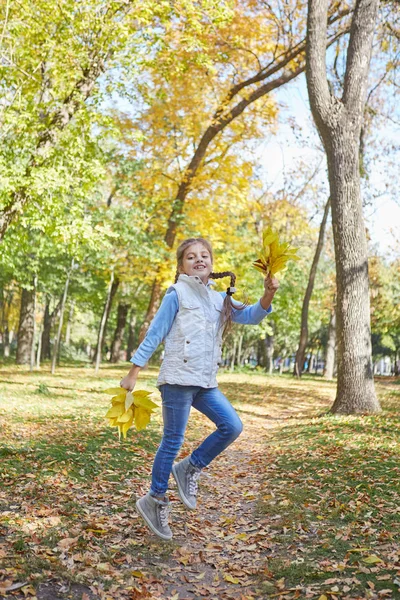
[[193, 345]]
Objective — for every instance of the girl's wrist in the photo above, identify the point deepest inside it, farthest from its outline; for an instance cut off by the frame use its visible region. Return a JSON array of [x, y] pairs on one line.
[[266, 300]]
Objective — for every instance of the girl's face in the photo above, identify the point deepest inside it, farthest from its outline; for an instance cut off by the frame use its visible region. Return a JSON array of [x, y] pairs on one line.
[[197, 261]]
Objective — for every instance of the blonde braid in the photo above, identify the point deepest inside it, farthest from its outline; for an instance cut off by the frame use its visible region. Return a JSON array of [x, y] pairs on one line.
[[225, 274], [226, 315]]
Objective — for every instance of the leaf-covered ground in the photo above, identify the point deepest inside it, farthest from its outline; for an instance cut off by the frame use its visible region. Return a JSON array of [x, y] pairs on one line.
[[303, 505]]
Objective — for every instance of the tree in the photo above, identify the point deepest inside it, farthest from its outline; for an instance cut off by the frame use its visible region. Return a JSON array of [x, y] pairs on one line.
[[298, 367], [339, 122], [247, 66], [58, 55]]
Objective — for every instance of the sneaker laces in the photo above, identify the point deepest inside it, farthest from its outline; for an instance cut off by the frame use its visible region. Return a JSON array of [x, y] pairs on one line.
[[193, 482], [164, 514]]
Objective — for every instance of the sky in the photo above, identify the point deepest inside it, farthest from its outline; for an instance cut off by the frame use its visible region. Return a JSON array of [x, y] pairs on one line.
[[280, 152]]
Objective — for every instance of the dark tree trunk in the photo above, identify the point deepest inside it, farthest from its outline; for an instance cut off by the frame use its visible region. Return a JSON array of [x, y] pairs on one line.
[[48, 322], [131, 335], [239, 352], [7, 298], [122, 314], [25, 329], [154, 303], [112, 290], [46, 333], [330, 347], [233, 354], [6, 341], [339, 123], [261, 357], [307, 297], [269, 353], [32, 359], [57, 343]]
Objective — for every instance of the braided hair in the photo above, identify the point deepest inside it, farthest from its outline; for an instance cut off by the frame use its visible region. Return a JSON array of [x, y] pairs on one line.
[[226, 313]]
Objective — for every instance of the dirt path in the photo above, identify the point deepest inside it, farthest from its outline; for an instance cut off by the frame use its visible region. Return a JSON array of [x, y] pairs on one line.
[[218, 549]]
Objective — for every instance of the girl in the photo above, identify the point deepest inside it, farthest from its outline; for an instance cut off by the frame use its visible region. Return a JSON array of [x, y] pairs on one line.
[[191, 319]]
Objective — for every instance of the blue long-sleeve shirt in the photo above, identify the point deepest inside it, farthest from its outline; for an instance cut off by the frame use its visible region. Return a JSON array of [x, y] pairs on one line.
[[162, 323]]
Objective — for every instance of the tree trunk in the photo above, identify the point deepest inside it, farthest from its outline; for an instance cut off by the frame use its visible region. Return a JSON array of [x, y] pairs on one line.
[[25, 329], [269, 353], [233, 355], [69, 323], [6, 341], [131, 335], [112, 290], [355, 391], [307, 297], [122, 314], [331, 347], [239, 351], [48, 322], [339, 123], [6, 303], [32, 358], [151, 309], [39, 349], [60, 323]]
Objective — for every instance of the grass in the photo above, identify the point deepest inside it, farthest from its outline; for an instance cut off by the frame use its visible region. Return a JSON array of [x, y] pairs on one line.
[[332, 490], [328, 486]]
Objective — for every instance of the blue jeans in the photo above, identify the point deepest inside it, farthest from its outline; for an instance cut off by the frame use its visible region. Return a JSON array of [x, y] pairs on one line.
[[177, 401]]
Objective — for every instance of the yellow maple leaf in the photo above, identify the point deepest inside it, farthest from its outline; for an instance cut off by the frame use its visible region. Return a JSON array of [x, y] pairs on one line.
[[129, 408], [274, 255]]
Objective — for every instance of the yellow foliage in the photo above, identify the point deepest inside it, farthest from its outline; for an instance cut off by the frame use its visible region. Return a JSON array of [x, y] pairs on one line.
[[129, 408], [274, 254]]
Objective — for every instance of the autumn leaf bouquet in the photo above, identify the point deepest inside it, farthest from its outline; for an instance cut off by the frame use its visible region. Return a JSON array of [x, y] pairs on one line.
[[129, 408], [274, 254]]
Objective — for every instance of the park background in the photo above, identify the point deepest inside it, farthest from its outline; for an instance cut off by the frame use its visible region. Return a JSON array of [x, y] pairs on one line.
[[125, 128]]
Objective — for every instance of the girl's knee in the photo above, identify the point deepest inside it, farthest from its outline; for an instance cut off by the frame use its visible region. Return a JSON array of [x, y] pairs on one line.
[[172, 442], [234, 429]]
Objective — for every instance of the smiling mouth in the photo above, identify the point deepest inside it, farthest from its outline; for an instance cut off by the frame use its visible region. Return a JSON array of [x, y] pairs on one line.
[[200, 267]]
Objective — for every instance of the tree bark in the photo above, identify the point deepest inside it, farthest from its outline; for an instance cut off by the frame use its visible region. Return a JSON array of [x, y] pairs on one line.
[[131, 335], [69, 324], [269, 353], [331, 347], [298, 367], [122, 314], [233, 354], [339, 123], [60, 323], [48, 322], [154, 303], [6, 303], [239, 351], [112, 290], [32, 358], [280, 72], [6, 341], [25, 329]]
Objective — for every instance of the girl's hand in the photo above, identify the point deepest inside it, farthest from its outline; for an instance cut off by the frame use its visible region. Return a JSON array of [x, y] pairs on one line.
[[129, 382], [271, 285]]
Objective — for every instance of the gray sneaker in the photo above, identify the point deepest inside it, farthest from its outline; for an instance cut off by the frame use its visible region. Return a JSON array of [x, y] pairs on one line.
[[186, 476], [155, 513]]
